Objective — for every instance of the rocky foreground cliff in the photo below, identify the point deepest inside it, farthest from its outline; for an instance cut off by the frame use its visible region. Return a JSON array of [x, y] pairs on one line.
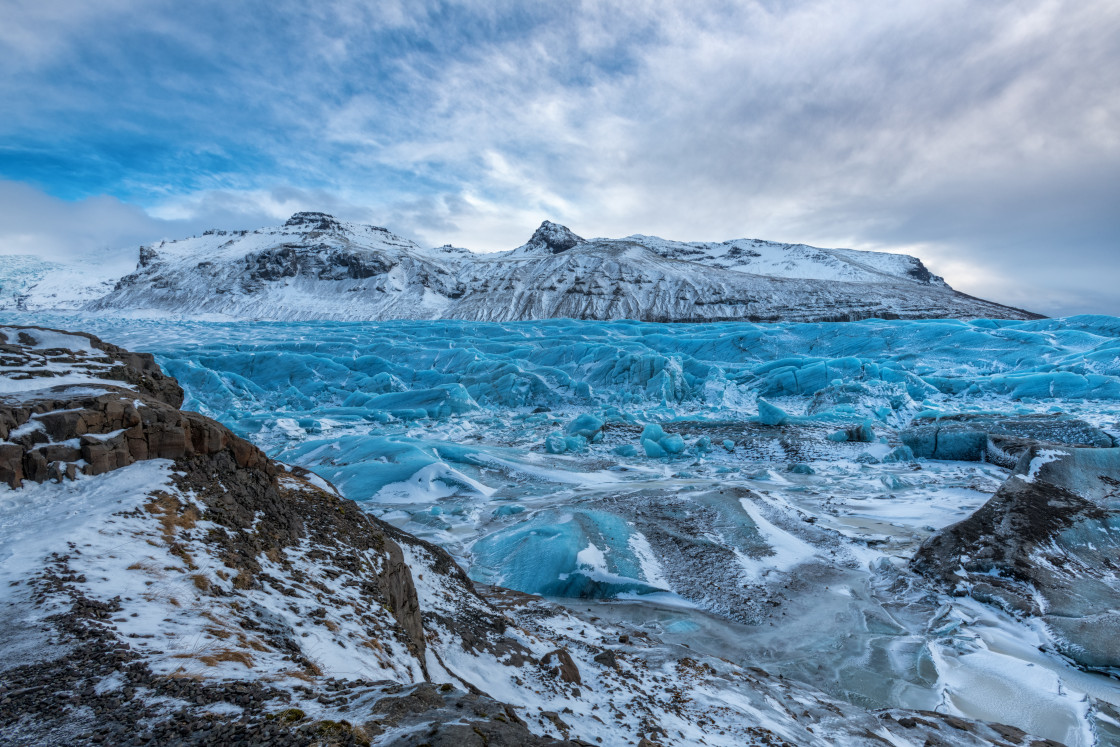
[[162, 581], [317, 267]]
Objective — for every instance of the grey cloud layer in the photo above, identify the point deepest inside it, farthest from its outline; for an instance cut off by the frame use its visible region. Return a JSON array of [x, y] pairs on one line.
[[984, 136]]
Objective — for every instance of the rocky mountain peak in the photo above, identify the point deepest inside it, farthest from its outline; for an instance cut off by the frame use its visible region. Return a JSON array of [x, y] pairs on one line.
[[312, 221], [554, 237], [921, 273]]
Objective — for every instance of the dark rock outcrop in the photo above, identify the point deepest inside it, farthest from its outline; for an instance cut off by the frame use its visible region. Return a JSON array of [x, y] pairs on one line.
[[1000, 439], [314, 221], [564, 667], [19, 350], [553, 238], [95, 433], [315, 261], [921, 273], [1046, 545]]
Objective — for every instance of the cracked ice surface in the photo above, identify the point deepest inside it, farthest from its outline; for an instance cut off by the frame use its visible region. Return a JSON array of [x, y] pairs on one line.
[[780, 541]]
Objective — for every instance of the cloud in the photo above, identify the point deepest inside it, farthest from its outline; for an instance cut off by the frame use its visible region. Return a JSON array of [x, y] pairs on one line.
[[986, 136], [32, 222], [108, 230]]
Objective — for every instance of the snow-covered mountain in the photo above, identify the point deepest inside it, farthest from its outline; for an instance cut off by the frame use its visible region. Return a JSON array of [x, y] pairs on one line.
[[316, 267], [29, 283]]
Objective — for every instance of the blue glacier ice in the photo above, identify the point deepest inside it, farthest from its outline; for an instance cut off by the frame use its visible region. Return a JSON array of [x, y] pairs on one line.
[[583, 554], [367, 466], [657, 443], [407, 370], [770, 414], [624, 463], [672, 443], [899, 454], [938, 443], [586, 425], [402, 415]]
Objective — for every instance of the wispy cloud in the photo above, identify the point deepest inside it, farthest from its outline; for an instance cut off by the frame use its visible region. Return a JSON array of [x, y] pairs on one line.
[[987, 134]]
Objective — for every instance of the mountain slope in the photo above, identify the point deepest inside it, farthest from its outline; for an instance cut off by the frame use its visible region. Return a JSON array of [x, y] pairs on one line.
[[28, 283], [315, 267], [312, 267]]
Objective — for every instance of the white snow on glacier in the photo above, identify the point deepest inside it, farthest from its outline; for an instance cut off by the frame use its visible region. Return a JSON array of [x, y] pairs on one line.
[[625, 469]]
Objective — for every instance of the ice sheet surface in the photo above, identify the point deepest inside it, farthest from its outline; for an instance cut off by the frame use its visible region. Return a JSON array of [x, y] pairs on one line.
[[624, 469]]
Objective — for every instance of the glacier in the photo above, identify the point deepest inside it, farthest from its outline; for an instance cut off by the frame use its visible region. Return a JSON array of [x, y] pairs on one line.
[[753, 490]]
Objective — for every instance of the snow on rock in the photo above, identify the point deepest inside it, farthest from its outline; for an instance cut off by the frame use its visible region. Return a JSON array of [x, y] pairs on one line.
[[1045, 456], [317, 267], [549, 238]]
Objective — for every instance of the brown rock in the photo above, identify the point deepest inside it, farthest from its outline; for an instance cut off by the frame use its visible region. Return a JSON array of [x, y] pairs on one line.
[[607, 659], [566, 669], [395, 582], [63, 425], [104, 455], [11, 465], [35, 466], [166, 441], [61, 453]]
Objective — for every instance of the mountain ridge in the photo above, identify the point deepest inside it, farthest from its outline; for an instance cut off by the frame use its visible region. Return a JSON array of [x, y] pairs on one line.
[[317, 267]]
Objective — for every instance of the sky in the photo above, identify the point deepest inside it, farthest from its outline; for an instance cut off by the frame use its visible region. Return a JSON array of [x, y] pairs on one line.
[[983, 136]]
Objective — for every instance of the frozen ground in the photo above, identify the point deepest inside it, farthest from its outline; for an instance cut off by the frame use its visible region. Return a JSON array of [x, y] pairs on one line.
[[741, 489]]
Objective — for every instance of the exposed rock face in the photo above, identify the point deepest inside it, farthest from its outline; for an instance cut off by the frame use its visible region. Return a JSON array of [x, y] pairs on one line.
[[25, 357], [1046, 545], [321, 262], [565, 668], [341, 273], [62, 430], [552, 238], [314, 221], [96, 434]]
